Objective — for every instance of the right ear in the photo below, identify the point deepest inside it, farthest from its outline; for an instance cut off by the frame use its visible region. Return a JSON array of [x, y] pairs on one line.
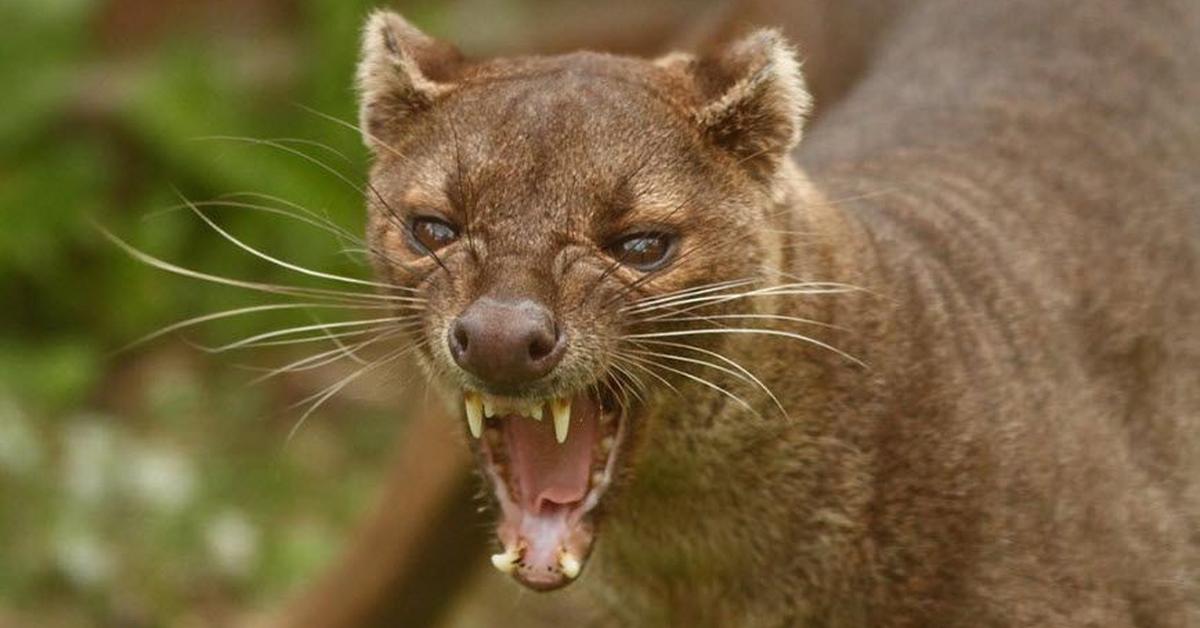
[[402, 72]]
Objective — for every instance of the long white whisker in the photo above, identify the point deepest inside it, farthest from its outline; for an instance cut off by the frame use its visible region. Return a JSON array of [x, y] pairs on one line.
[[324, 396], [191, 322], [333, 296], [319, 217], [637, 382], [305, 142], [637, 363], [705, 382], [748, 330], [293, 267], [357, 130], [695, 291], [632, 386], [296, 330], [288, 149], [772, 317], [782, 289], [327, 335], [741, 371], [268, 209], [337, 342], [324, 358]]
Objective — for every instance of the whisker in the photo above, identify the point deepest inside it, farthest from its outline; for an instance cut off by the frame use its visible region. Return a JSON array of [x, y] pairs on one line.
[[804, 288], [620, 356], [332, 296], [325, 219], [238, 312], [361, 189], [633, 379], [705, 382], [711, 317], [694, 291], [324, 358], [290, 266], [218, 204], [327, 335], [356, 129], [320, 217], [323, 396], [752, 331], [295, 330], [315, 144], [337, 342], [287, 149], [741, 371]]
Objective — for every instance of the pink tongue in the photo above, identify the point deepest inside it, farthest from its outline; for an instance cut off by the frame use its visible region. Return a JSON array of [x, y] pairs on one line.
[[545, 471]]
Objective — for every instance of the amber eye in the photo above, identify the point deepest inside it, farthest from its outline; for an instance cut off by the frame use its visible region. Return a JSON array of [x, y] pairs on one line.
[[431, 234], [644, 251]]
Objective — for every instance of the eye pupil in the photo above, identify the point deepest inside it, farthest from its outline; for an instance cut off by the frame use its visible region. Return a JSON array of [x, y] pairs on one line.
[[432, 233], [644, 251]]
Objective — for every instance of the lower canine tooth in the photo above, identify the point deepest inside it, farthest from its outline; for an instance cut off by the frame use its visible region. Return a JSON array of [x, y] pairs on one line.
[[474, 414], [507, 561], [568, 564], [562, 418]]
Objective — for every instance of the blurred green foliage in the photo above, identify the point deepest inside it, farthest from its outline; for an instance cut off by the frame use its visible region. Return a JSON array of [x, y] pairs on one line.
[[153, 486]]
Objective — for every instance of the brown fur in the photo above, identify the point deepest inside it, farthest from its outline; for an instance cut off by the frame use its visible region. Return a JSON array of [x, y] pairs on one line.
[[1015, 186]]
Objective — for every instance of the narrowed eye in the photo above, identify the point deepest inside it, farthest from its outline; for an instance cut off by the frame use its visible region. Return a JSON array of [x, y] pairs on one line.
[[432, 234], [643, 251]]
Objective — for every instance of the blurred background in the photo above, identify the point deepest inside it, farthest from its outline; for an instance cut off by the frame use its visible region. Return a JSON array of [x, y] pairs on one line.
[[158, 485]]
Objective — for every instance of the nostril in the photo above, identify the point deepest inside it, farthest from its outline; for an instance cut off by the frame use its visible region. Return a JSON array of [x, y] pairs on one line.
[[542, 344], [459, 339]]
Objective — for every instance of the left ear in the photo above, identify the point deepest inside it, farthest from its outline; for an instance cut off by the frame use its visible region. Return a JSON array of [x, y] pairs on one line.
[[402, 72], [753, 99]]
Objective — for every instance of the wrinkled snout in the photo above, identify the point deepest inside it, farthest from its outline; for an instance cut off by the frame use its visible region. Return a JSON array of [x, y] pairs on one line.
[[506, 343]]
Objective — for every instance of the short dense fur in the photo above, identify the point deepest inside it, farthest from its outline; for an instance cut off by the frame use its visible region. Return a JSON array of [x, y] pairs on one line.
[[1015, 184]]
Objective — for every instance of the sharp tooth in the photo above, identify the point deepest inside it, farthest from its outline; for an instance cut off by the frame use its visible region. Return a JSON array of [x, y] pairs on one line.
[[562, 418], [474, 413], [568, 564], [606, 444], [535, 410], [507, 561], [597, 478], [489, 409]]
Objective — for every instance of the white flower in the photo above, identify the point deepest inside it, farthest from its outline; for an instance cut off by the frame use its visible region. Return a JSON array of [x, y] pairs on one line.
[[233, 542], [83, 558], [161, 478]]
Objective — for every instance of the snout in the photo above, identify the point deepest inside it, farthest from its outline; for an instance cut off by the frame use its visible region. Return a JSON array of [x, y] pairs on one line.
[[506, 343]]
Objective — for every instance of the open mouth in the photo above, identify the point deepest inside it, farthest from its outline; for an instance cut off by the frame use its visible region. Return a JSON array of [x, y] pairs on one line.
[[549, 463]]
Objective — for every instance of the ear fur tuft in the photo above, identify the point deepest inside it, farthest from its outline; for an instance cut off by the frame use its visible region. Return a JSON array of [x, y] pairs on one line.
[[755, 100], [399, 74]]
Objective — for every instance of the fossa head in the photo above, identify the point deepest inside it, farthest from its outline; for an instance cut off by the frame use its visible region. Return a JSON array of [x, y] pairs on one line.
[[556, 220]]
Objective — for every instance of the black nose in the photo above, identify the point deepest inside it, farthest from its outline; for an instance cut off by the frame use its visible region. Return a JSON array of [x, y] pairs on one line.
[[506, 343]]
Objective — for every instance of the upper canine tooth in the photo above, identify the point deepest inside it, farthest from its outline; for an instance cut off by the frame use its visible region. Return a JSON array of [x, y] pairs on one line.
[[562, 418], [474, 413], [568, 564], [507, 561]]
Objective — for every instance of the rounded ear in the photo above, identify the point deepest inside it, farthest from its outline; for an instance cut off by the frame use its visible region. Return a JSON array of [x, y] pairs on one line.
[[753, 99], [402, 72]]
